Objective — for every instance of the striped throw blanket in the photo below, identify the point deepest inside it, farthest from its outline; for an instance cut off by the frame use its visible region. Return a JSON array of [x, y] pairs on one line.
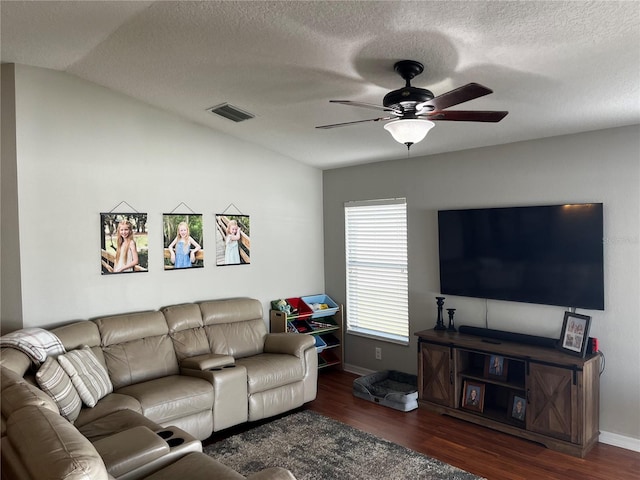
[[36, 343]]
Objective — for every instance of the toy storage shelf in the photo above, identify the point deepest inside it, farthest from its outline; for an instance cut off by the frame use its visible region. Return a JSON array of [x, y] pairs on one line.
[[328, 331]]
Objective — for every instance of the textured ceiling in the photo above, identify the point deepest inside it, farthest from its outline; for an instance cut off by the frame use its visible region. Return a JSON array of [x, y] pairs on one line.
[[557, 67]]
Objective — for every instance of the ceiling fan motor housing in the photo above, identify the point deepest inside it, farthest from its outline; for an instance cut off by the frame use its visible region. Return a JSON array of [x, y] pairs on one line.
[[407, 96]]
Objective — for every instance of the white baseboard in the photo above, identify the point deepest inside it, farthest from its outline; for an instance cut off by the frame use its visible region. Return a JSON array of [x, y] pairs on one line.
[[614, 439], [357, 370], [621, 441]]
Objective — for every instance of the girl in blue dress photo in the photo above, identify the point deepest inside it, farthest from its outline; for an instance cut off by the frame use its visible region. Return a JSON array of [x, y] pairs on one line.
[[184, 232], [182, 255]]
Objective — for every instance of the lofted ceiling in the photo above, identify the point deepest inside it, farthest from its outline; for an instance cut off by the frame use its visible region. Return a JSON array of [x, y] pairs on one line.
[[557, 67]]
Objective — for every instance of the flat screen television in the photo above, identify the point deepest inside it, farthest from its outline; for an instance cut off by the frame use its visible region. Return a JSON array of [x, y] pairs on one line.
[[549, 254]]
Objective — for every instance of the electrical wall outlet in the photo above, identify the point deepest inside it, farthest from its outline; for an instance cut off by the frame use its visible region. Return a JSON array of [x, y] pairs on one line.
[[378, 353]]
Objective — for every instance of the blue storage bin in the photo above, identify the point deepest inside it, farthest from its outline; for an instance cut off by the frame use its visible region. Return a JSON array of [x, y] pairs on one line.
[[320, 343], [321, 299]]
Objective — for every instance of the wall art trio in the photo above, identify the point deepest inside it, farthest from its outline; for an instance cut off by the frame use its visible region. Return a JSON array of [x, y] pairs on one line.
[[124, 241]]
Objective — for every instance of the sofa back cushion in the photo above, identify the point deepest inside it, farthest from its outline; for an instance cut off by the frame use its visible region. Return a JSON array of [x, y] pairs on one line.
[[51, 447], [137, 347], [78, 334], [186, 330], [234, 327], [75, 335]]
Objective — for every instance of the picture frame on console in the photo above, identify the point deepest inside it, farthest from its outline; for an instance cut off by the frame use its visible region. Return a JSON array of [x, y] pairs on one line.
[[575, 334], [517, 407], [496, 366], [473, 396]]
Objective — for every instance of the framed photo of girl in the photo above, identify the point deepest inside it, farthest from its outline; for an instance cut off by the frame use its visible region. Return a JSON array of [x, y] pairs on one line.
[[473, 396], [575, 334], [124, 243], [233, 239], [183, 243], [517, 407], [496, 366]]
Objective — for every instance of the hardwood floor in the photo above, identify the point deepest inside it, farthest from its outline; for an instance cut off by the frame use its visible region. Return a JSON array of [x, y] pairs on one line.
[[484, 452]]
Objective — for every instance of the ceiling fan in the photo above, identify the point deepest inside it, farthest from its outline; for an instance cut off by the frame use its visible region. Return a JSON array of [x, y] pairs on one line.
[[414, 109]]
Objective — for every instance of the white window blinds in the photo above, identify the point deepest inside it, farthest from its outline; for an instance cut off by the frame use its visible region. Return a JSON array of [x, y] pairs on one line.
[[377, 274]]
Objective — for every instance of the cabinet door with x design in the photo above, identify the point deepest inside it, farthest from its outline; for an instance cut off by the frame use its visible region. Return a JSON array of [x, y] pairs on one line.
[[435, 375], [552, 394]]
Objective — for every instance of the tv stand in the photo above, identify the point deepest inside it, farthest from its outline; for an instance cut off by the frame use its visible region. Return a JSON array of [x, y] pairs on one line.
[[559, 393]]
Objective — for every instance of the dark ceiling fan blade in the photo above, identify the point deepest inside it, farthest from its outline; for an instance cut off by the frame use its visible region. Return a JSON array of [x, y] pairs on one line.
[[357, 121], [465, 116], [365, 105], [456, 96]]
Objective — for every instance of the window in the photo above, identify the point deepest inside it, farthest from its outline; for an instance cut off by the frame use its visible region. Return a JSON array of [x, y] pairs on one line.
[[376, 263]]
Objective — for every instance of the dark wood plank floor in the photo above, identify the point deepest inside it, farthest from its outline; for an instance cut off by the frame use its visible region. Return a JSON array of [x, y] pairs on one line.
[[479, 450]]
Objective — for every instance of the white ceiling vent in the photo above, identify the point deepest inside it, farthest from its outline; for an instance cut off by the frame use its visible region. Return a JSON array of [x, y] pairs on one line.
[[230, 112]]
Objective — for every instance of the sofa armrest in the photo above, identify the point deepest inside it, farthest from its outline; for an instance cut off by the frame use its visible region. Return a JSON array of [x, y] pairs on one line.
[[229, 391], [48, 446], [130, 449], [207, 361], [290, 343]]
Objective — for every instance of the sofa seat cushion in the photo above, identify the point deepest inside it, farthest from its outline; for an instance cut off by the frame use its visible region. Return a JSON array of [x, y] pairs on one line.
[[113, 402], [270, 370], [168, 398], [116, 422]]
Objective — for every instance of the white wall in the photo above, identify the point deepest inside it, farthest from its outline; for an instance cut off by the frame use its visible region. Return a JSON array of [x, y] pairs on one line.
[[601, 166], [83, 149]]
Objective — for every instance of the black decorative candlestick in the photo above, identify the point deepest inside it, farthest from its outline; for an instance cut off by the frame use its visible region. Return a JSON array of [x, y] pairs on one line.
[[451, 312], [440, 322]]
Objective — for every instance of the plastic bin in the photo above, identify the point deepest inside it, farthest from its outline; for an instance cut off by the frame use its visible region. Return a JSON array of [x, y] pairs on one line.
[[329, 339], [301, 326], [322, 323], [327, 357], [301, 309], [320, 343], [322, 300], [390, 388]]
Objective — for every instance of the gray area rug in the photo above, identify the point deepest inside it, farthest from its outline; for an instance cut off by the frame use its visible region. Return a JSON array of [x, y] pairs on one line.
[[314, 447]]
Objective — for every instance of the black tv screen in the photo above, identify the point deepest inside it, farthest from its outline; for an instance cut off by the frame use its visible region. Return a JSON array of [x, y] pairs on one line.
[[550, 255]]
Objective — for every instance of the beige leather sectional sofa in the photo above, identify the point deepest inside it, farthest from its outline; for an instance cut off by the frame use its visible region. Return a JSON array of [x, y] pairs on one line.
[[177, 375]]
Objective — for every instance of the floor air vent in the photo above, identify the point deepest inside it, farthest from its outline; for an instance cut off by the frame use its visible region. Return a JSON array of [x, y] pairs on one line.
[[230, 112]]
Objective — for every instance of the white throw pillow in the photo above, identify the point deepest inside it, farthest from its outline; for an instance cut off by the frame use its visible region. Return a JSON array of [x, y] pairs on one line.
[[87, 374], [54, 381]]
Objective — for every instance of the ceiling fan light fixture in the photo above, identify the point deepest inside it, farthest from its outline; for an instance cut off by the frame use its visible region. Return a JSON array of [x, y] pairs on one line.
[[409, 131]]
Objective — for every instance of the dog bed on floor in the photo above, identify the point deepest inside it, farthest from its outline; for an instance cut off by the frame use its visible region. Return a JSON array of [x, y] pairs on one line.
[[390, 388]]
